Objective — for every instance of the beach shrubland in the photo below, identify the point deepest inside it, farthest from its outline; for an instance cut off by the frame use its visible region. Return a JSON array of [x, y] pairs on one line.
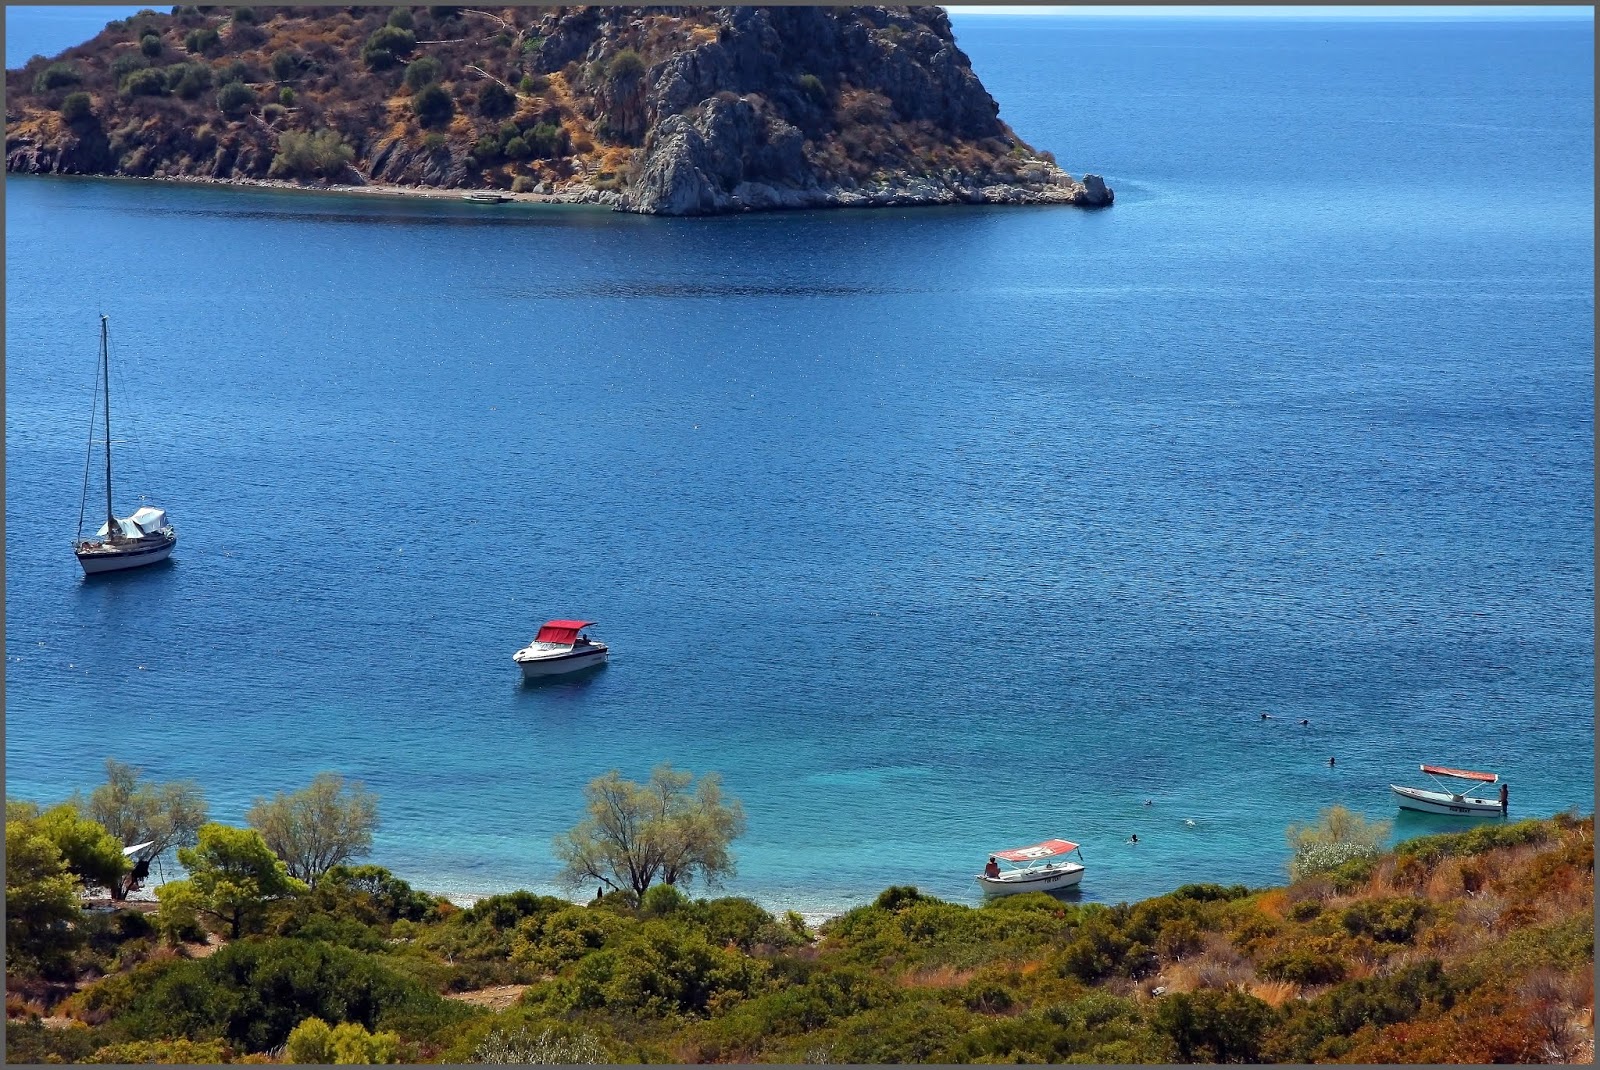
[[1469, 947]]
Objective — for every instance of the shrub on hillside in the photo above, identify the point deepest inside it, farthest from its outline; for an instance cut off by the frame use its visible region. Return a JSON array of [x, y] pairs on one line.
[[422, 72], [77, 108], [311, 154], [624, 65], [204, 40], [235, 99], [433, 106], [494, 100], [189, 80], [1213, 1027], [150, 45], [145, 83], [386, 47], [56, 76]]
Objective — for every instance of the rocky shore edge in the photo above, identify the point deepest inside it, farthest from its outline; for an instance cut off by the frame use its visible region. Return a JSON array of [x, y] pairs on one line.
[[902, 192]]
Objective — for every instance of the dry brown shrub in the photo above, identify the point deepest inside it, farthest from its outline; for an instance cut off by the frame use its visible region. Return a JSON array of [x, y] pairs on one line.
[[1274, 904], [1274, 993]]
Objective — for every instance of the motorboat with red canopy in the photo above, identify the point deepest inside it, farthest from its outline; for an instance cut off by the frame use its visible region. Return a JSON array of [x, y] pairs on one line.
[[1031, 869], [560, 647], [1453, 799]]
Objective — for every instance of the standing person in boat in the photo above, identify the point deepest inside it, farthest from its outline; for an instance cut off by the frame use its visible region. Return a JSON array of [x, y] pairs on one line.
[[1505, 800], [992, 870]]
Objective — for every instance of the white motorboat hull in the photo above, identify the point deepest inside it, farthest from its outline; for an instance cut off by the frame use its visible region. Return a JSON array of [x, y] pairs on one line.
[[100, 560], [535, 667], [1438, 802], [1042, 879]]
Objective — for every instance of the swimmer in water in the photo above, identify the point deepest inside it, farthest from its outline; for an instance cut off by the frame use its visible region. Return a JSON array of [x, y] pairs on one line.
[[1134, 838], [1189, 821], [1266, 716], [1303, 721], [1330, 761]]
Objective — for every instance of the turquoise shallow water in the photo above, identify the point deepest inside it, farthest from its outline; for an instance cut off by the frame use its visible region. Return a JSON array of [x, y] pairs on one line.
[[933, 531]]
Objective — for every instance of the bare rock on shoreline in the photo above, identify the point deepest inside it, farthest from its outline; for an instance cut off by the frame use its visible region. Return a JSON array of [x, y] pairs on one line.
[[666, 111]]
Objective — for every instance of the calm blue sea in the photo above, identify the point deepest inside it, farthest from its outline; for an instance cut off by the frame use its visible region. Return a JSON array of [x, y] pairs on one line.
[[933, 531]]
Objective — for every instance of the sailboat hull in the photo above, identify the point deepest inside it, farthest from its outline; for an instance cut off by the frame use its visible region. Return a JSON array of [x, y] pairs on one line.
[[98, 558]]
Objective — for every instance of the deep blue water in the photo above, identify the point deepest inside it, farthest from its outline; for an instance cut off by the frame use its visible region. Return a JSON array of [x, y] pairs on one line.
[[933, 531]]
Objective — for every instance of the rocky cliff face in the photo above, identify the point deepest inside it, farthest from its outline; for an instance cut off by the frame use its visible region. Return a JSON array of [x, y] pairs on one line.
[[672, 111]]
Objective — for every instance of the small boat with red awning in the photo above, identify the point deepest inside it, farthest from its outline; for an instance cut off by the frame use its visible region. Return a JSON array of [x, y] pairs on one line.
[[1454, 798], [1030, 869], [560, 647]]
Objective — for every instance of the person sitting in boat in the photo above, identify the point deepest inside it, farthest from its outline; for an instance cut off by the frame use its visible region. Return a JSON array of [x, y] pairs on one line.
[[992, 870]]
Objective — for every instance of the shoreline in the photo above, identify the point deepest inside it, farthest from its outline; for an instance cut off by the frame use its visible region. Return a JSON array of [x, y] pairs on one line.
[[592, 199]]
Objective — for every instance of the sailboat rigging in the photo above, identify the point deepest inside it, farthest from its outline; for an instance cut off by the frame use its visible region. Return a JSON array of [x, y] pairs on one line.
[[126, 542]]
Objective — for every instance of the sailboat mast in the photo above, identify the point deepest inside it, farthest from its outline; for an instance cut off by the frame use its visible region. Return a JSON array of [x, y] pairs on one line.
[[112, 530]]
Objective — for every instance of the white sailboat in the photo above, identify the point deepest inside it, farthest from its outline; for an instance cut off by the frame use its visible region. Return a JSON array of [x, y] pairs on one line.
[[122, 542]]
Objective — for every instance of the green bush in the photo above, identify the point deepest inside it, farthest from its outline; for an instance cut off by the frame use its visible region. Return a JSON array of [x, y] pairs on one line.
[[1213, 1027], [203, 40], [166, 1052], [127, 63], [547, 140], [304, 155], [1393, 921], [145, 83], [287, 63], [56, 76], [517, 149], [188, 80], [235, 99], [244, 16], [486, 150], [286, 97], [387, 47], [150, 45], [254, 992], [77, 108], [624, 65], [400, 18], [522, 184], [433, 106], [812, 87], [657, 970], [1431, 849], [422, 72], [235, 70], [1320, 1030], [313, 1041], [494, 100]]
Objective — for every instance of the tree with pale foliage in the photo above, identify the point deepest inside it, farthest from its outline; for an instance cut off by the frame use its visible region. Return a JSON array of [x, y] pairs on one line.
[[315, 829], [166, 815], [1338, 836], [669, 829], [233, 875]]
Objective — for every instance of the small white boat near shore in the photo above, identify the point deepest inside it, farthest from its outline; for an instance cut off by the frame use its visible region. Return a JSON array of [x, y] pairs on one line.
[[485, 196], [1450, 800], [1029, 869], [560, 647]]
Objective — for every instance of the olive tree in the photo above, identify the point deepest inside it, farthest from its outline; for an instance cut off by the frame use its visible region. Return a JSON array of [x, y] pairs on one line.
[[166, 815], [314, 829], [670, 829]]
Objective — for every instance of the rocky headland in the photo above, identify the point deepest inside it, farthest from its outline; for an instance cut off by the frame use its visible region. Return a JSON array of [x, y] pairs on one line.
[[665, 110]]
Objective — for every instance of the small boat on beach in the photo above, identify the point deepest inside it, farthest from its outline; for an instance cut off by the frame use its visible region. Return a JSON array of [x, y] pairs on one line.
[[1453, 798], [122, 542], [485, 196], [1029, 869], [560, 647]]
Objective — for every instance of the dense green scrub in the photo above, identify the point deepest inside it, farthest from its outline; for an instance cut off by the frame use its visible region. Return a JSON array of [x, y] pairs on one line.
[[1475, 947]]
